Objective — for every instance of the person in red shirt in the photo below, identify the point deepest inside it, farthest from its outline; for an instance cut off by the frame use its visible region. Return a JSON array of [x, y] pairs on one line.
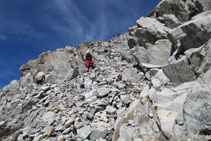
[[89, 62]]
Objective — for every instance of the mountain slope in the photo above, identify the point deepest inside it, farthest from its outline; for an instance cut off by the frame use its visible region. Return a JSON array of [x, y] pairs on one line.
[[152, 83]]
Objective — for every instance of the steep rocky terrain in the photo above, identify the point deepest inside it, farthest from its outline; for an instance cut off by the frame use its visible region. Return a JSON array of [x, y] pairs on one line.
[[150, 84]]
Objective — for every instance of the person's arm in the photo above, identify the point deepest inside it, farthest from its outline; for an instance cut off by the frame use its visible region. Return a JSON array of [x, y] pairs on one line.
[[94, 58]]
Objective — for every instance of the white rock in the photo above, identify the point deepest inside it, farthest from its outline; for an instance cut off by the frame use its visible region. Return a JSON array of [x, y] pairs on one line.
[[110, 110]]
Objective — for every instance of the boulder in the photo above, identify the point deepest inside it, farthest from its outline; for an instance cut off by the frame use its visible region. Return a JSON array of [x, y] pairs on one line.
[[169, 105], [206, 62], [206, 78], [39, 77], [179, 72], [194, 33], [197, 110], [64, 62], [170, 20], [183, 10], [160, 52], [148, 30]]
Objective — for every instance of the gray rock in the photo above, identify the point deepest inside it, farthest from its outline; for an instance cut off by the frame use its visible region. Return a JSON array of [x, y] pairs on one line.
[[206, 78], [205, 63], [59, 128], [177, 8], [170, 20], [84, 132], [69, 122], [132, 75], [126, 133], [149, 31], [194, 33], [102, 92], [13, 85], [110, 110], [98, 133], [197, 110], [179, 72], [45, 88], [125, 98], [39, 77], [67, 130], [2, 124], [91, 93], [160, 52], [78, 124], [49, 116], [48, 130]]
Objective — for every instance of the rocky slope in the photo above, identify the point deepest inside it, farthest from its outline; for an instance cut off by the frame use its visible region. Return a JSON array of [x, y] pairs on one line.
[[152, 83]]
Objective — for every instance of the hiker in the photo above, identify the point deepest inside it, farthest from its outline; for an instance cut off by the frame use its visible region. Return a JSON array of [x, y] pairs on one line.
[[89, 62]]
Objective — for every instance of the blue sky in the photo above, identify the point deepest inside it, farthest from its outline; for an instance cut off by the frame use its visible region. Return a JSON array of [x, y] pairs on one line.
[[30, 27]]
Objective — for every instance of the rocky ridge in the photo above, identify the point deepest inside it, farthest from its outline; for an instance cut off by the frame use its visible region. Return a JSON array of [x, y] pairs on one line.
[[152, 83]]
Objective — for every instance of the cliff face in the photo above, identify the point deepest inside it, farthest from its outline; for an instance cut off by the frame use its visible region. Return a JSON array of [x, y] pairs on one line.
[[152, 83]]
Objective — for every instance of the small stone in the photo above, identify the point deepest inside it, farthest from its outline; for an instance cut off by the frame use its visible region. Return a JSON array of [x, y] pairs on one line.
[[48, 116], [59, 128], [90, 116], [78, 124], [45, 88], [57, 90], [53, 86], [61, 138], [53, 139], [138, 139], [38, 138], [110, 110], [61, 107], [69, 122], [98, 124], [101, 103], [84, 132], [48, 130], [102, 92], [79, 103], [125, 99], [66, 131], [2, 124]]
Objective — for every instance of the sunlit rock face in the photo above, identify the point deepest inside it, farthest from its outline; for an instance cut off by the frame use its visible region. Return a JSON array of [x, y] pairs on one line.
[[149, 84]]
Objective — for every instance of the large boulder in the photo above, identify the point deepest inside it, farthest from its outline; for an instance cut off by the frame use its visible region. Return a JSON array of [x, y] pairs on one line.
[[183, 111], [179, 72], [206, 63], [197, 110], [156, 54], [170, 20], [194, 33], [62, 63], [184, 10], [147, 31]]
